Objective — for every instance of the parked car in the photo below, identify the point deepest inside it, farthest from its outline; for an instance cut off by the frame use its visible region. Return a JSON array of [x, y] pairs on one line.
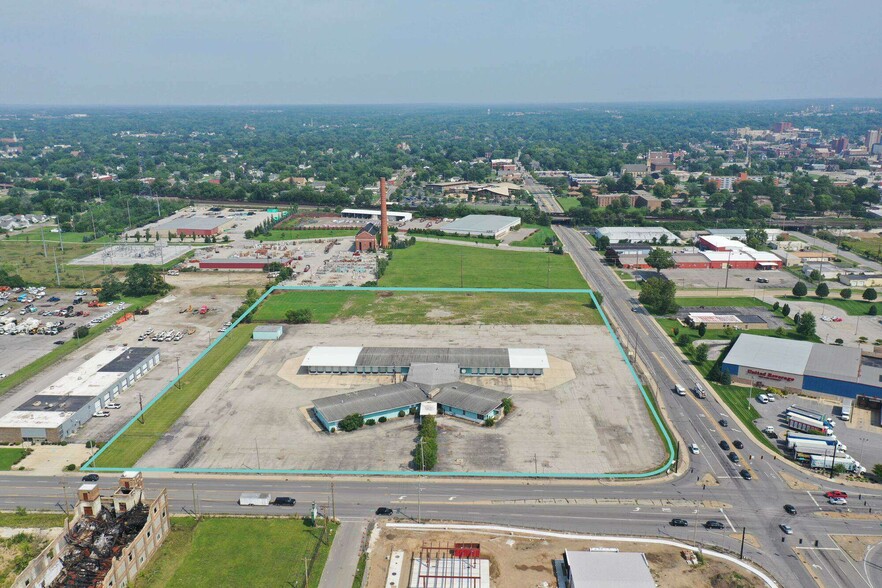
[[679, 523], [284, 501], [90, 478], [384, 511], [787, 529], [100, 414], [112, 405], [724, 446], [714, 525], [790, 509], [738, 444], [835, 494]]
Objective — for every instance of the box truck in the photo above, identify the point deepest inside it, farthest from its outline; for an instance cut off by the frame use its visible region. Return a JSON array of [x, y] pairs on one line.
[[254, 499]]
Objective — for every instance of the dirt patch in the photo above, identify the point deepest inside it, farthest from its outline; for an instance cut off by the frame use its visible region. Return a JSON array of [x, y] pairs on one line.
[[749, 539], [796, 484], [709, 480], [855, 516], [526, 562], [856, 545]]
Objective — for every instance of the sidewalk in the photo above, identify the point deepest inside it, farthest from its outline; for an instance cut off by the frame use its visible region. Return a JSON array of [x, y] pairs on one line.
[[342, 560]]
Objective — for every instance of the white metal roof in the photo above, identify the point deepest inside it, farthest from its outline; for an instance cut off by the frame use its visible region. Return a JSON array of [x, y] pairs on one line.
[[721, 241], [635, 234], [332, 356], [32, 419], [606, 569], [483, 223], [769, 353], [532, 358], [405, 216]]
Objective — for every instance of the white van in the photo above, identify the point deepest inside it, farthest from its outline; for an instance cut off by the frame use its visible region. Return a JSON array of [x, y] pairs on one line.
[[845, 411], [762, 399], [680, 390]]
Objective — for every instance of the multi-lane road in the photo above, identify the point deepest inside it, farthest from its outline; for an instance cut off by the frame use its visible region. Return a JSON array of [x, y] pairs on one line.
[[544, 197], [586, 507]]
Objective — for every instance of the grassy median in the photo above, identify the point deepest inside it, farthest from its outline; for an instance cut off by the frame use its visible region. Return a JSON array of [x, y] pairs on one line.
[[140, 437]]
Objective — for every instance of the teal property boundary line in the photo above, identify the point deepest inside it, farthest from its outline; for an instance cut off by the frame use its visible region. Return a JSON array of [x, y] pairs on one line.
[[616, 476]]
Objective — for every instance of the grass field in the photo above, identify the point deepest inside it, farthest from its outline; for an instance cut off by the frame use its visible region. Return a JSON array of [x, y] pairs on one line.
[[294, 234], [434, 308], [16, 553], [537, 239], [139, 438], [236, 553], [27, 260], [10, 456], [466, 238], [60, 351], [851, 307], [721, 301], [31, 520], [33, 236], [568, 202], [437, 265]]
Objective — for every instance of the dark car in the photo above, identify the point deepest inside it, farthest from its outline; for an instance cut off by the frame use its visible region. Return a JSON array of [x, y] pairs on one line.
[[724, 446], [738, 444], [724, 423], [790, 509], [384, 511], [734, 457], [772, 435], [746, 475], [90, 478], [679, 523], [714, 525], [284, 501], [58, 342]]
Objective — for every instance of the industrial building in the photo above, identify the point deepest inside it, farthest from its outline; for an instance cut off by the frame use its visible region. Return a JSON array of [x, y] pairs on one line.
[[493, 226], [801, 366], [366, 239], [391, 360], [713, 320], [861, 280], [110, 540], [267, 333], [636, 235], [201, 226], [827, 271], [741, 234], [607, 569], [59, 410], [432, 380], [722, 252], [401, 217]]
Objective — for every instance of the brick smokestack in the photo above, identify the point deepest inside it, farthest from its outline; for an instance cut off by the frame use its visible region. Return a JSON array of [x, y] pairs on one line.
[[384, 216]]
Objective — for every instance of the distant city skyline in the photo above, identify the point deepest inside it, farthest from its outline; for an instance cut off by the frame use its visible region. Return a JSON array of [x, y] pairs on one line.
[[274, 52]]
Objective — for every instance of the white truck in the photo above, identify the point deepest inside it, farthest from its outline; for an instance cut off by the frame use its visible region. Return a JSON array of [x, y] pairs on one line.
[[845, 411], [254, 499], [826, 462], [806, 439]]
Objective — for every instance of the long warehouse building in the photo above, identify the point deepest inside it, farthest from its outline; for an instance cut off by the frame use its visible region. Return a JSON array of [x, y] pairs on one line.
[[470, 361], [59, 410], [801, 366]]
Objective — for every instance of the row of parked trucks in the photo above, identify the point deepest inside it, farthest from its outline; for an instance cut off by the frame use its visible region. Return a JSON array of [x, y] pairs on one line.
[[823, 452]]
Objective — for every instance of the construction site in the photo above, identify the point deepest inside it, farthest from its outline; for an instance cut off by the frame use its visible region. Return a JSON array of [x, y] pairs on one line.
[[132, 253], [110, 539]]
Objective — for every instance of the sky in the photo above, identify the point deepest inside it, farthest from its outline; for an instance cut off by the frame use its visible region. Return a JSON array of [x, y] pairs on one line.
[[192, 52]]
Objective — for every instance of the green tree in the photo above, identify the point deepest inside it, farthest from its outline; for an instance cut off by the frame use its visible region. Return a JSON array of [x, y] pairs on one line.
[[81, 332], [626, 183], [660, 259], [807, 325], [845, 293], [756, 238], [701, 352], [111, 289], [352, 422], [144, 280], [298, 316], [800, 290], [702, 329], [877, 471], [603, 243], [823, 290], [658, 295], [683, 340], [873, 311], [725, 378], [869, 294], [785, 310], [815, 276]]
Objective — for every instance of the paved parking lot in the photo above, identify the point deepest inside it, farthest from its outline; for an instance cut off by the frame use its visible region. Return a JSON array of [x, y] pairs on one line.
[[252, 415], [716, 278], [864, 445]]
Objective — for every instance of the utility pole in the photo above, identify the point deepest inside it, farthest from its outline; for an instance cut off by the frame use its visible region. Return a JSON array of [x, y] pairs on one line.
[[333, 503], [141, 407], [57, 277], [195, 509], [257, 449], [420, 484], [743, 531], [178, 381], [460, 271], [43, 239]]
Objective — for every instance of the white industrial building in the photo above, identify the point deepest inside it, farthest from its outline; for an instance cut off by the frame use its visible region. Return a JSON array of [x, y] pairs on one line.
[[60, 409], [607, 569], [635, 234], [400, 217], [493, 226]]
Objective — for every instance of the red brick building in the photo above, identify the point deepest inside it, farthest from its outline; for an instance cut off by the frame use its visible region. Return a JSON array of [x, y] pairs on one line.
[[366, 239]]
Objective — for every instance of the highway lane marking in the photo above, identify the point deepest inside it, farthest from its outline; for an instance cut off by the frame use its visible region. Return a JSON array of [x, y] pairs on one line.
[[727, 519], [813, 499]]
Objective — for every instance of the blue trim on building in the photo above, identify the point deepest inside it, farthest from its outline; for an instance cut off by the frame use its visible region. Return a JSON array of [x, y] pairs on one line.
[[826, 385]]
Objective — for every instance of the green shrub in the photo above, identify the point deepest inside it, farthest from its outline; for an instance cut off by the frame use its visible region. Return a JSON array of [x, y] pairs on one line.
[[352, 422], [370, 422], [381, 419], [400, 413], [70, 467]]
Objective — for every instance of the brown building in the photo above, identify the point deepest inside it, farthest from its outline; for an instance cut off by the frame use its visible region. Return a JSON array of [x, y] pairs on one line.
[[604, 200], [110, 539], [366, 239]]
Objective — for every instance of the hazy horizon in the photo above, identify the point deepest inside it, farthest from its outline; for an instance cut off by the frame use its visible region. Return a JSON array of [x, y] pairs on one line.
[[442, 52]]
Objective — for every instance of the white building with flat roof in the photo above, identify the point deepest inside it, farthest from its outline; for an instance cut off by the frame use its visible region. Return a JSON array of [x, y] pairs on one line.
[[399, 217], [636, 234], [493, 226]]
